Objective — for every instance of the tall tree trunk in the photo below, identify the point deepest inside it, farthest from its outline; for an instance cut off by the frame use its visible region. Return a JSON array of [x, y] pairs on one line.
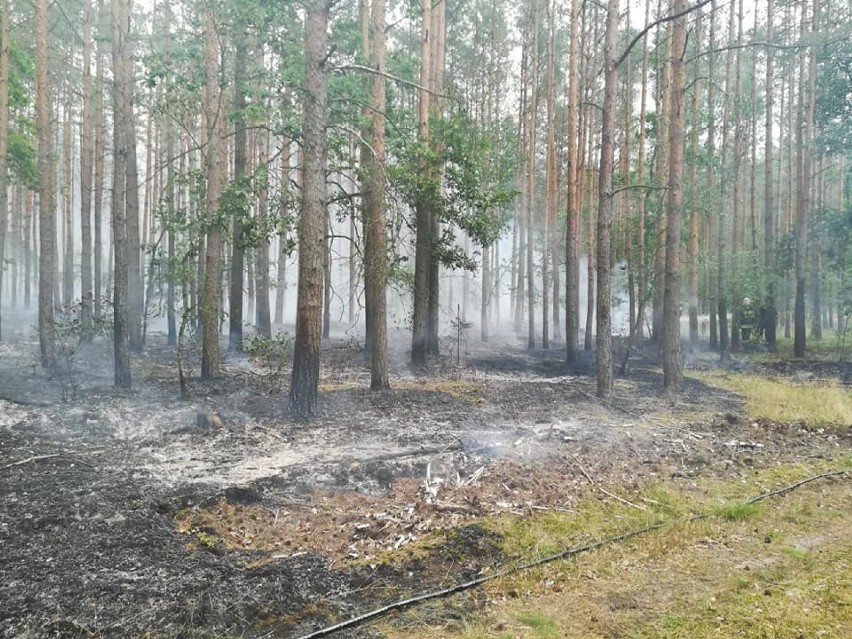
[[135, 299], [532, 134], [4, 131], [722, 257], [549, 217], [120, 24], [67, 207], [171, 203], [662, 170], [713, 219], [738, 205], [264, 325], [604, 278], [573, 231], [283, 248], [672, 365], [805, 145], [99, 159], [770, 319], [437, 85], [46, 202], [326, 280], [642, 274], [215, 166], [423, 218], [86, 158], [375, 249], [306, 357], [694, 218], [235, 291]]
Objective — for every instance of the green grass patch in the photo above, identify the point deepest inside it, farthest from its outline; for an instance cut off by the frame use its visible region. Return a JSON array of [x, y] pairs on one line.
[[780, 568], [816, 404], [739, 512], [542, 625]]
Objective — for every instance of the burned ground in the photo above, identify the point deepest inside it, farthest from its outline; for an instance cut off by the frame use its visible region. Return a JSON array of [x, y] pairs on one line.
[[122, 514]]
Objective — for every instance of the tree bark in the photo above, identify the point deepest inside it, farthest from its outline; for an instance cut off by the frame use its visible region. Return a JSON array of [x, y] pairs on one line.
[[306, 357], [771, 317], [135, 300], [46, 206], [672, 364], [805, 131], [235, 291], [375, 249], [120, 23], [4, 132], [67, 207], [211, 293], [423, 217], [573, 215], [86, 159], [604, 278]]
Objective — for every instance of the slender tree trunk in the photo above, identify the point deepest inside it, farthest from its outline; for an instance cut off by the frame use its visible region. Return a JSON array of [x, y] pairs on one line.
[[375, 249], [4, 129], [672, 364], [67, 206], [437, 85], [805, 131], [46, 206], [211, 293], [694, 219], [642, 275], [99, 131], [662, 170], [591, 259], [264, 325], [713, 220], [306, 357], [135, 293], [86, 158], [283, 248], [120, 26], [738, 217], [235, 294], [423, 218], [532, 131], [604, 320], [549, 217], [771, 315], [573, 214], [29, 248]]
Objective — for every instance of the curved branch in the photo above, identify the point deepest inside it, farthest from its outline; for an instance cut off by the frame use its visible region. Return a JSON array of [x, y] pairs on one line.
[[663, 20]]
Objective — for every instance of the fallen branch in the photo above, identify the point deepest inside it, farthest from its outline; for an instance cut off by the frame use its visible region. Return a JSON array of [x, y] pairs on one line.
[[564, 554], [36, 458]]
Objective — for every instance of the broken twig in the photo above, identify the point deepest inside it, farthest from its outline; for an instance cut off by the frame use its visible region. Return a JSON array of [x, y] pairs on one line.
[[36, 458]]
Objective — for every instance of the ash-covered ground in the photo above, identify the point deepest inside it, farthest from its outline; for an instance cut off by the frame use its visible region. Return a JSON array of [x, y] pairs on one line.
[[100, 531]]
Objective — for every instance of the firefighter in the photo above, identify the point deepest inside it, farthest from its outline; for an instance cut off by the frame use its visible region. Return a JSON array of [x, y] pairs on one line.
[[748, 321]]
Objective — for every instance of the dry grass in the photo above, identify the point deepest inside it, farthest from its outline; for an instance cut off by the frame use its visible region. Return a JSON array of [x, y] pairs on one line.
[[781, 570], [817, 404]]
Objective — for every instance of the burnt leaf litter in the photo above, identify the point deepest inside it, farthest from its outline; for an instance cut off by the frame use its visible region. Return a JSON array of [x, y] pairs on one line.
[[140, 514]]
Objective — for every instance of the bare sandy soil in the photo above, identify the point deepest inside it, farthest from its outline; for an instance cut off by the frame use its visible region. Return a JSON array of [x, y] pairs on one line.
[[101, 534]]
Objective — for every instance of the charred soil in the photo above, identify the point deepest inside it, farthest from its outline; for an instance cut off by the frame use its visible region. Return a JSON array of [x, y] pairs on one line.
[[125, 514]]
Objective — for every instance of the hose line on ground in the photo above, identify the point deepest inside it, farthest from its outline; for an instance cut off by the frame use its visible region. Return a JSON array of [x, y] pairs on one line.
[[562, 554]]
